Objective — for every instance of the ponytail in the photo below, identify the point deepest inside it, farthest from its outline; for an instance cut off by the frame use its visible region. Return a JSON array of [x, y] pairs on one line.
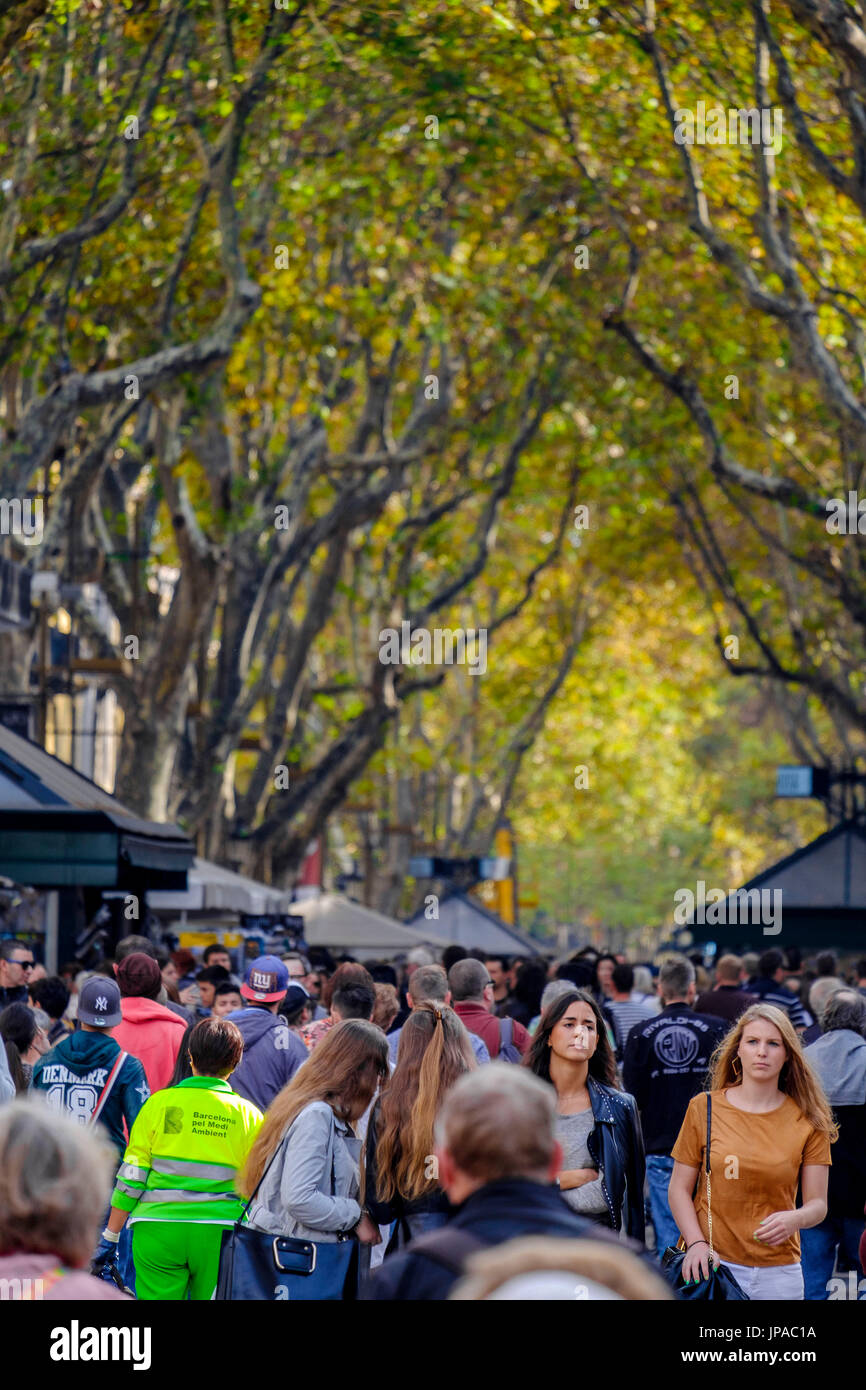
[[434, 1052]]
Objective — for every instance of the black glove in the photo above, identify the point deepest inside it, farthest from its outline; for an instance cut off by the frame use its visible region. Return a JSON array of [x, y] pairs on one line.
[[104, 1257]]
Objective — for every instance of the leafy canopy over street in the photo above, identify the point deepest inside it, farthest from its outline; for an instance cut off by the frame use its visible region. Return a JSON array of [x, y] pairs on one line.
[[320, 318]]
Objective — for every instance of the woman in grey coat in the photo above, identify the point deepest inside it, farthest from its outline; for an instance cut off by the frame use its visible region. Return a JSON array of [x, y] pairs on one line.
[[303, 1170]]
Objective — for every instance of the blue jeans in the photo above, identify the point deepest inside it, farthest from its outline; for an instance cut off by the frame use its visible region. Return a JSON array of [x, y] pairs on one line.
[[818, 1247], [658, 1174], [420, 1222]]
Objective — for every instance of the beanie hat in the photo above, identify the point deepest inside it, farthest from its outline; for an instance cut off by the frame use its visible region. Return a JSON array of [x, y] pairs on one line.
[[140, 975]]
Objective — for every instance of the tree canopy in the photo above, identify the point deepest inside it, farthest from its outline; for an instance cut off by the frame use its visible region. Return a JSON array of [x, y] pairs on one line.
[[318, 319]]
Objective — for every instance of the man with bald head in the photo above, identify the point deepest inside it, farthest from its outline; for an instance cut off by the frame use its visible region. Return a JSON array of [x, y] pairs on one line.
[[728, 999]]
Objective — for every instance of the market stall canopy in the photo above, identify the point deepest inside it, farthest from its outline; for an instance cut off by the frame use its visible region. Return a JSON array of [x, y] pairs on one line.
[[814, 898], [339, 923], [58, 829], [211, 888], [464, 922]]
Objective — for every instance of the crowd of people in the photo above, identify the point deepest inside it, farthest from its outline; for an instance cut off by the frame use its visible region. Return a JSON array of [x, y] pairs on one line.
[[383, 1127]]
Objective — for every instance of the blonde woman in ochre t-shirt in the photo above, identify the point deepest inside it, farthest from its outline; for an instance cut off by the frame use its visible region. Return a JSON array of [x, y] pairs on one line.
[[771, 1132]]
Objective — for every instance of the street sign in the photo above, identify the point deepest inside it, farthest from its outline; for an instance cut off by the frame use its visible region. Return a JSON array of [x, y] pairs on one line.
[[495, 869], [805, 781], [420, 867], [794, 781]]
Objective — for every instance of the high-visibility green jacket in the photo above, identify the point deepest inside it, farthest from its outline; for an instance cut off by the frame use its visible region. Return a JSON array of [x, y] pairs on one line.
[[186, 1147]]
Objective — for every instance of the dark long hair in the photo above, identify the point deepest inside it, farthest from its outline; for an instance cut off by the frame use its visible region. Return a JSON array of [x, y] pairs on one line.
[[602, 1063], [18, 1028], [183, 1066]]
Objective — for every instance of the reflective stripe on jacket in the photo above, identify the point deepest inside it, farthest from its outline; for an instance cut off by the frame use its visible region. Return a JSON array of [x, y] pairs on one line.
[[186, 1148]]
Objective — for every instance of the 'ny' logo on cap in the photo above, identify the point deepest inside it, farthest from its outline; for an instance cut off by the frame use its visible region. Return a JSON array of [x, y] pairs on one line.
[[101, 1004]]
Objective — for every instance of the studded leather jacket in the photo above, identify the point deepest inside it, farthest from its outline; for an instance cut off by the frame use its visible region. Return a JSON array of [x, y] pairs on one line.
[[616, 1145]]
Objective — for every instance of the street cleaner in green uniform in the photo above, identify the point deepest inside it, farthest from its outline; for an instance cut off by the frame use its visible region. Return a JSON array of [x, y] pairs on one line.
[[176, 1184]]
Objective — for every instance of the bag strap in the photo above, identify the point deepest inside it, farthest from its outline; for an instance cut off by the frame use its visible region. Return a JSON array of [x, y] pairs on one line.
[[333, 1155], [243, 1216], [506, 1033], [106, 1090], [267, 1168], [707, 1167]]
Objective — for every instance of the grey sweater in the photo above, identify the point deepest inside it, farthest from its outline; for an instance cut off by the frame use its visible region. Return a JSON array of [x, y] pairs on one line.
[[295, 1197]]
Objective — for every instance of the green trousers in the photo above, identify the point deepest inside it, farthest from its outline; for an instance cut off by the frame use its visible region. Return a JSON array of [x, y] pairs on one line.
[[175, 1259]]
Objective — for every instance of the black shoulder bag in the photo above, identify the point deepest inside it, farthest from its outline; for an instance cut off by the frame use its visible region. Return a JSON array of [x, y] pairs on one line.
[[721, 1284], [255, 1265]]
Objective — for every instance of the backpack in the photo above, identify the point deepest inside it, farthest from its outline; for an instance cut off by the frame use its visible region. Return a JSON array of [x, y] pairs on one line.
[[508, 1050]]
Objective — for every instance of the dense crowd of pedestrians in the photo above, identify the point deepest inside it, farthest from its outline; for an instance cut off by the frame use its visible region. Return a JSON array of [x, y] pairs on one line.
[[183, 1128]]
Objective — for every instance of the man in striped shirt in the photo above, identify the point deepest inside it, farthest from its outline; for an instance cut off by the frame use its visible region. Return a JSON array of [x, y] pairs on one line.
[[770, 988], [621, 1010]]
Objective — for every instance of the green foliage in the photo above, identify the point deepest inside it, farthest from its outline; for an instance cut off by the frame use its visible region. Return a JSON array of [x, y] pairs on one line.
[[407, 257]]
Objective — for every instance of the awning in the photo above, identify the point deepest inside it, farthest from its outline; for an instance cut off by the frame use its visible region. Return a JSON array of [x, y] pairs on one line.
[[213, 889], [816, 897], [58, 829], [339, 923], [464, 922]]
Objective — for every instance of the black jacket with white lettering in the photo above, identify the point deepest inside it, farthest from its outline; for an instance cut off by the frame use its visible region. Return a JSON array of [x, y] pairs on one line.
[[666, 1063]]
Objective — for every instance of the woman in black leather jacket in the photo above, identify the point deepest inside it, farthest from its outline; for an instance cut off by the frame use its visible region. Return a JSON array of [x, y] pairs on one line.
[[597, 1123]]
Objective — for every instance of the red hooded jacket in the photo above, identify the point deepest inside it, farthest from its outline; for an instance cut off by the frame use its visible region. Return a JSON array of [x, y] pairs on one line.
[[153, 1034]]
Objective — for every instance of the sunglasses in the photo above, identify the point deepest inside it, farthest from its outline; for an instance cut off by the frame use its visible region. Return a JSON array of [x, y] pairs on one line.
[[25, 964]]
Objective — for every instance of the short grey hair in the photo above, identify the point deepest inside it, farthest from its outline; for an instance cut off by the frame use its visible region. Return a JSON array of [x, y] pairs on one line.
[[298, 956], [498, 1122], [643, 979], [55, 1182], [675, 976], [428, 982], [42, 1020], [844, 1009], [130, 945], [467, 980], [421, 955], [553, 990], [821, 992]]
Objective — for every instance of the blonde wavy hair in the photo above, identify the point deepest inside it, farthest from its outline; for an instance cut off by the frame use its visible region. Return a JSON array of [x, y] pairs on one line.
[[796, 1078], [434, 1053]]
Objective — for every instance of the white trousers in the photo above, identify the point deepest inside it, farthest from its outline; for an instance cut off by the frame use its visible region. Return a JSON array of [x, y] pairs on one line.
[[770, 1282]]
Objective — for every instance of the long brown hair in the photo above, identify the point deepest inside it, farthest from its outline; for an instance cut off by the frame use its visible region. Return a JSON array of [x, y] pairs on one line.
[[434, 1052], [344, 1070], [796, 1079], [602, 1063]]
